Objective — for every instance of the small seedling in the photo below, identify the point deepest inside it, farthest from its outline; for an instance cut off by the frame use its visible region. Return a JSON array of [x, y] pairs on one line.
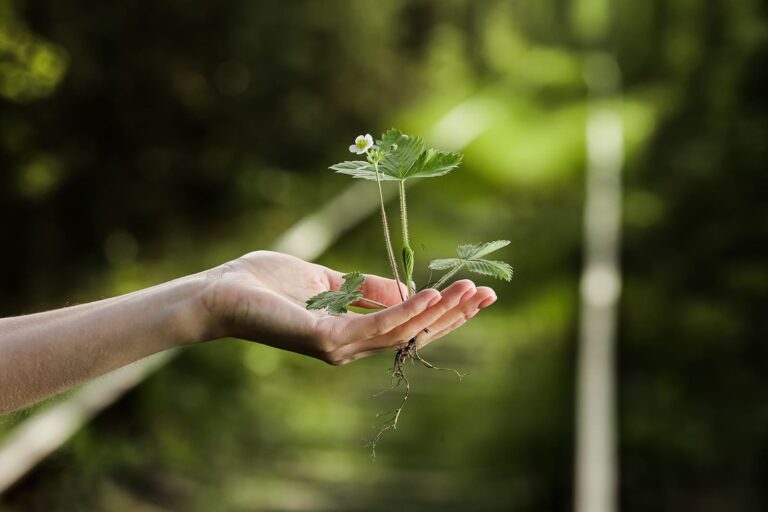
[[399, 157]]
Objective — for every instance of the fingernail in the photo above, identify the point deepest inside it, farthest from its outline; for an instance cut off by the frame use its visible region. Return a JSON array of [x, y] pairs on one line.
[[487, 302], [468, 294], [434, 300]]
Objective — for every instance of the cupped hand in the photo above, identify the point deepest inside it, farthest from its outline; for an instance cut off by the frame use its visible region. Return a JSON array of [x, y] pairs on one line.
[[261, 297]]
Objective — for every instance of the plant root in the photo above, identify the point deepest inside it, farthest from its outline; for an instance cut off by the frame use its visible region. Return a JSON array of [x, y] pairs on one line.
[[397, 377], [429, 365]]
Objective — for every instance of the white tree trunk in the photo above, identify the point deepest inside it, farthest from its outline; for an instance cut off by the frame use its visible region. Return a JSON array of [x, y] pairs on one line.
[[596, 468]]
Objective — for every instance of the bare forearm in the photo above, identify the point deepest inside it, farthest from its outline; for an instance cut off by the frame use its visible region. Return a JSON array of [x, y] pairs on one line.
[[259, 297], [46, 353]]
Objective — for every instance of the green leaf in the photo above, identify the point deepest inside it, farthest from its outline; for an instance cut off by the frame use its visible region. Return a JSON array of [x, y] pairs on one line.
[[402, 157], [336, 302], [497, 269], [352, 282], [400, 153], [444, 264], [471, 258], [434, 163], [467, 251], [360, 169]]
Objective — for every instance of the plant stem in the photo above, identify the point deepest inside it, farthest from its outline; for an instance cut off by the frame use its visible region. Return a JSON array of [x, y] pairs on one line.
[[387, 240], [403, 211], [406, 241], [374, 303], [447, 276]]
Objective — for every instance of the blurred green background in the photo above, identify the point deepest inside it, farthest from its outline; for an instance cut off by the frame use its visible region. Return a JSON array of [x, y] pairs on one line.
[[140, 141]]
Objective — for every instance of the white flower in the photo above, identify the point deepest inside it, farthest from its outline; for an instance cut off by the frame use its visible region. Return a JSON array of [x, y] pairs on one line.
[[362, 144]]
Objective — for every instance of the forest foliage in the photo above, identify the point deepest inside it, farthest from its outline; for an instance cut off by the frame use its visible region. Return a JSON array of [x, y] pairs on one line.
[[146, 140]]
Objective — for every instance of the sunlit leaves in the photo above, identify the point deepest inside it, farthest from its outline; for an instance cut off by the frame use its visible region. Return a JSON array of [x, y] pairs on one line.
[[467, 251], [402, 157], [400, 153], [336, 302], [434, 163], [360, 169]]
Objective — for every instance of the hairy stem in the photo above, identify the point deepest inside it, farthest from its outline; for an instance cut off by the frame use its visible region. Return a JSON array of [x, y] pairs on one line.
[[374, 303], [403, 212], [408, 261], [447, 276], [387, 240]]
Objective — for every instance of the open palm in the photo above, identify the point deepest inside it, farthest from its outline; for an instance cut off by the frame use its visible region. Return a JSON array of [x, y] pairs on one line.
[[261, 297]]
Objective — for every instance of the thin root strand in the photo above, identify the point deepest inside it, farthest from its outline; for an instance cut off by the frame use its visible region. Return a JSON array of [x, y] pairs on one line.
[[397, 376]]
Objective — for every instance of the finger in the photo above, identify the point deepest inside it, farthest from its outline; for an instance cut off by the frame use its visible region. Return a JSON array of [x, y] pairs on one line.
[[382, 290], [461, 314], [376, 324], [462, 309], [426, 340], [451, 297]]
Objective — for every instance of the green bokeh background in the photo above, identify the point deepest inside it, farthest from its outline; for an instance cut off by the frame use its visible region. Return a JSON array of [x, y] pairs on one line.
[[140, 141]]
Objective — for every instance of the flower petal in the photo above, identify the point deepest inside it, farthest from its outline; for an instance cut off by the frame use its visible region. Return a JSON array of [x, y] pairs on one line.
[[368, 139], [353, 149], [358, 139]]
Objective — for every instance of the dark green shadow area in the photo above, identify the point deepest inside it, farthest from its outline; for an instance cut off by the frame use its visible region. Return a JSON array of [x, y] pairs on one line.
[[146, 141]]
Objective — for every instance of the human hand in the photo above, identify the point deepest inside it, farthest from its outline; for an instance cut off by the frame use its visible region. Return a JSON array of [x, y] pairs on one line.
[[261, 297], [258, 297]]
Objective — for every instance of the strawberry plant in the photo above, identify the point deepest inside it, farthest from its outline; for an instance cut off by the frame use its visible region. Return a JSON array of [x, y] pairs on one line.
[[398, 157]]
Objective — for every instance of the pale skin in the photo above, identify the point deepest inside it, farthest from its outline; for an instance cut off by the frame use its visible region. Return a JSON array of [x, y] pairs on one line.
[[259, 297]]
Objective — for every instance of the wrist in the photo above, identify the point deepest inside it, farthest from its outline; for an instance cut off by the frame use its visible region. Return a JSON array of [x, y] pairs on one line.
[[190, 319]]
